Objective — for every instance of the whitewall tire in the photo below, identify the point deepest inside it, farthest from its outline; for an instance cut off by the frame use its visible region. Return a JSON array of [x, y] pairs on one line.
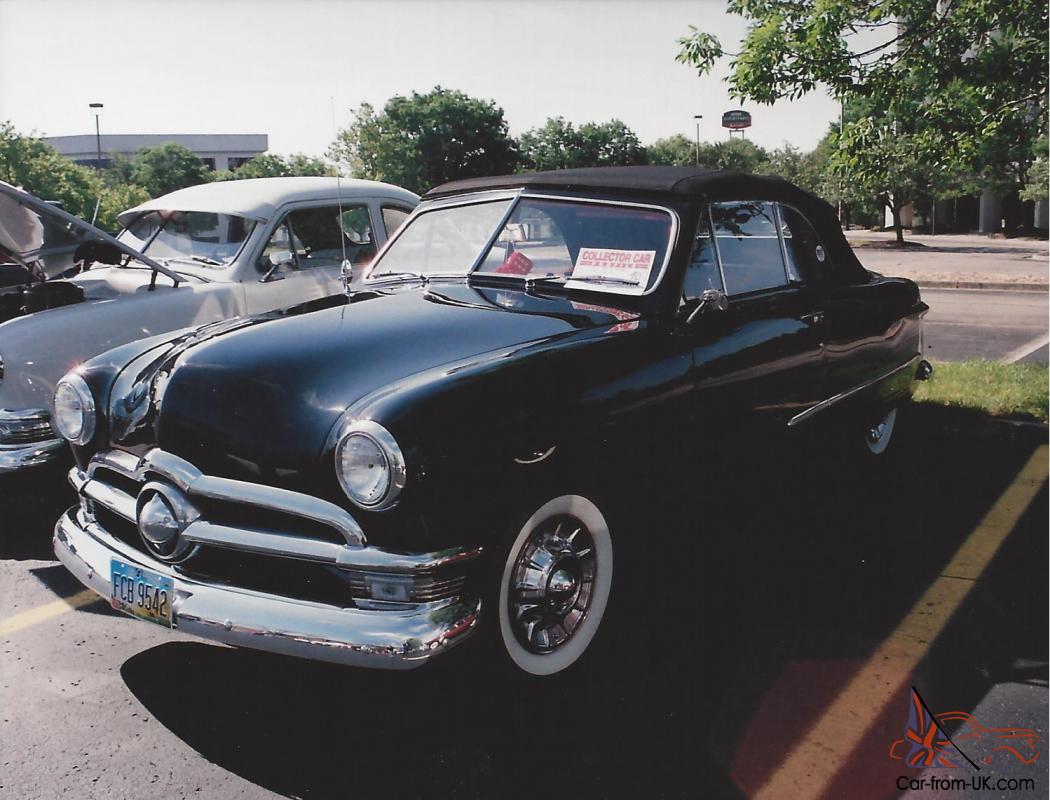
[[877, 437], [555, 585]]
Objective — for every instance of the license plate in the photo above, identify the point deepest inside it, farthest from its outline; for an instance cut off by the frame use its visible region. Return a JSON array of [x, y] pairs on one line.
[[141, 592]]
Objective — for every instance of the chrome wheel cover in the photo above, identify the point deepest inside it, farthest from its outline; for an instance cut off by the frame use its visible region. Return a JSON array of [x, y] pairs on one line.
[[552, 584], [555, 585], [878, 435]]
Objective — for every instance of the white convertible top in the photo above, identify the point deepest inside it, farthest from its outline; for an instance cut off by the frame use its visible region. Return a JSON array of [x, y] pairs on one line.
[[258, 198]]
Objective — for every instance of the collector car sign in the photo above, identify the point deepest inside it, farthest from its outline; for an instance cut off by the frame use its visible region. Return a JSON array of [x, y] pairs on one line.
[[630, 266], [736, 120]]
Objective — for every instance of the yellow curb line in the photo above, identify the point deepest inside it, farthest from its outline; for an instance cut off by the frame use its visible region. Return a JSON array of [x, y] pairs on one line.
[[811, 766], [47, 611]]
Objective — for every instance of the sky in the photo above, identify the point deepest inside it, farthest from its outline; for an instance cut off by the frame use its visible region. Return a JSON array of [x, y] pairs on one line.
[[281, 68]]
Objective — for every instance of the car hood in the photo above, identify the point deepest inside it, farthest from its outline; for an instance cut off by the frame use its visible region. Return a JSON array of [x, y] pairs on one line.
[[46, 242], [270, 389]]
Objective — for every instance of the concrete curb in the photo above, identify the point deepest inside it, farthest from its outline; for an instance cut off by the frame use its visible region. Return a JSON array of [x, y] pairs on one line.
[[1032, 286]]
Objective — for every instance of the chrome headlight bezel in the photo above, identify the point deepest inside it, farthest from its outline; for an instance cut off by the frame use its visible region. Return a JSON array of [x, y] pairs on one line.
[[397, 471], [75, 383]]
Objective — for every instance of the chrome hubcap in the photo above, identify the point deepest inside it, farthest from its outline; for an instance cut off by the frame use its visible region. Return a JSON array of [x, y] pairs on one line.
[[551, 584], [876, 432]]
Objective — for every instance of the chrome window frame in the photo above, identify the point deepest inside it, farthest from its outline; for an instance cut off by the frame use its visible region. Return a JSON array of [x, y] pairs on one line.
[[516, 196], [435, 205], [780, 236]]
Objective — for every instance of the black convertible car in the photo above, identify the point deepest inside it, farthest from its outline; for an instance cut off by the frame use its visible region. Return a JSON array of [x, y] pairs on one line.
[[373, 478]]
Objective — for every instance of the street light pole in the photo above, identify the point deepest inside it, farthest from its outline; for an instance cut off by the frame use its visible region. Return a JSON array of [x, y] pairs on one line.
[[98, 153], [698, 117], [98, 135]]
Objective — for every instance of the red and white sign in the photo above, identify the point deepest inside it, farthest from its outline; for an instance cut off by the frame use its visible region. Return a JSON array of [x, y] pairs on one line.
[[624, 265]]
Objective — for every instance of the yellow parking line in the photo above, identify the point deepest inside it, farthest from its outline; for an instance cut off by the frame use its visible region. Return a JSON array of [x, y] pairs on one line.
[[810, 767], [47, 611]]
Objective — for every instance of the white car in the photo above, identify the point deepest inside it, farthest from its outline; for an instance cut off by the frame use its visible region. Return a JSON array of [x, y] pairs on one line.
[[68, 291]]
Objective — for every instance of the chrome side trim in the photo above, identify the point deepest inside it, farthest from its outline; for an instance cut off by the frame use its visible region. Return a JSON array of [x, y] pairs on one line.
[[825, 404]]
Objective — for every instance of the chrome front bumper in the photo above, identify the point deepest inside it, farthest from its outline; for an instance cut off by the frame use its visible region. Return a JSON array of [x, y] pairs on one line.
[[26, 439], [389, 638], [16, 457]]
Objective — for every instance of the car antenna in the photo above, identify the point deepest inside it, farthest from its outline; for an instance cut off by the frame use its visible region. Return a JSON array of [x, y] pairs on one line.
[[346, 269]]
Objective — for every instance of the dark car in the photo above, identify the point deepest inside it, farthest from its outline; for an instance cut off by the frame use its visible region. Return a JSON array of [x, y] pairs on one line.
[[373, 478]]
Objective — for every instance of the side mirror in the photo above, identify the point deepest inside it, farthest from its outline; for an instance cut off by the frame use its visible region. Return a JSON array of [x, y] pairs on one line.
[[346, 274], [713, 299], [273, 263]]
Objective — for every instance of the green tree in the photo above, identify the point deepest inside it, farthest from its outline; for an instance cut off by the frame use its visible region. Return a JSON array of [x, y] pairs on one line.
[[959, 82], [554, 145], [424, 140], [271, 165], [735, 154], [675, 151], [560, 145], [166, 168], [32, 164], [117, 198], [1037, 188]]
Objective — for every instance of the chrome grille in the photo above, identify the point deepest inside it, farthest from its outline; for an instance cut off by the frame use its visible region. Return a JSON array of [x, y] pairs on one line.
[[245, 529]]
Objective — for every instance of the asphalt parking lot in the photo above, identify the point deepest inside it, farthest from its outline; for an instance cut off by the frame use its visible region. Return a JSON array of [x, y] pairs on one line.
[[794, 598], [983, 323]]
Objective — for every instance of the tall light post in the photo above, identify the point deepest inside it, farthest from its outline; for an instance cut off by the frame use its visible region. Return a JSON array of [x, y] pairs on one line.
[[98, 136], [97, 108], [698, 117]]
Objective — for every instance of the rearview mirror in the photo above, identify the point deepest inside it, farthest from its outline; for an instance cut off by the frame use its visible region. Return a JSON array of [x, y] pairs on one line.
[[713, 299]]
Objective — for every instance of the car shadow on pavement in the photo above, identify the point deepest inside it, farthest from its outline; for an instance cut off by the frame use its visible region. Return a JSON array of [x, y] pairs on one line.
[[776, 577], [30, 505]]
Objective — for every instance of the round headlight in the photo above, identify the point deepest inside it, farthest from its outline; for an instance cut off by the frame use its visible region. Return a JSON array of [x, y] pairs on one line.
[[74, 417], [369, 465]]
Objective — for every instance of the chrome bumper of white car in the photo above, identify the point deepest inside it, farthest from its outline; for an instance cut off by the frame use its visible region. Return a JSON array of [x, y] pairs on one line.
[[27, 440], [390, 639]]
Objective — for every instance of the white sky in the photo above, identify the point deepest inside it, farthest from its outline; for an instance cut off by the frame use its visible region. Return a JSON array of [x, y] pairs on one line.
[[270, 66]]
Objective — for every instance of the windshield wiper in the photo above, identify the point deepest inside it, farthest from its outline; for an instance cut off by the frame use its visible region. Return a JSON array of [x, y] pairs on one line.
[[211, 262], [604, 279], [400, 274]]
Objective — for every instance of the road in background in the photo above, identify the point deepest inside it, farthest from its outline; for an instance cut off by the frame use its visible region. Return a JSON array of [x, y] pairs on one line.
[[968, 324]]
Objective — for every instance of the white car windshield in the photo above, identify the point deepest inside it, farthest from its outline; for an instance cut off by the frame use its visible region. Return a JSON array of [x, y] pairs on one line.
[[581, 244], [202, 237]]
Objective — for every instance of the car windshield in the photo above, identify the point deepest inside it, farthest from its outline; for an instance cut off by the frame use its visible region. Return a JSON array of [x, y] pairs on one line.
[[201, 237], [608, 247], [444, 240]]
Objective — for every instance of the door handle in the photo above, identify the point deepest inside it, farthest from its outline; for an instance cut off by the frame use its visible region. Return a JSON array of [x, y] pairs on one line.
[[815, 318]]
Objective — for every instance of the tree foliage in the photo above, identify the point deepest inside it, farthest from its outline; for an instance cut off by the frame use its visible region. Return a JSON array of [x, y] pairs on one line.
[[29, 162], [558, 144], [423, 140], [958, 89], [676, 151], [271, 165], [167, 167]]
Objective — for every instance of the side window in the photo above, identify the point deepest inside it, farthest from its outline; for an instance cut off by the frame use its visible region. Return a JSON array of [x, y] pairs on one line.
[[702, 272], [393, 218], [278, 250], [311, 237], [806, 258], [749, 246]]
